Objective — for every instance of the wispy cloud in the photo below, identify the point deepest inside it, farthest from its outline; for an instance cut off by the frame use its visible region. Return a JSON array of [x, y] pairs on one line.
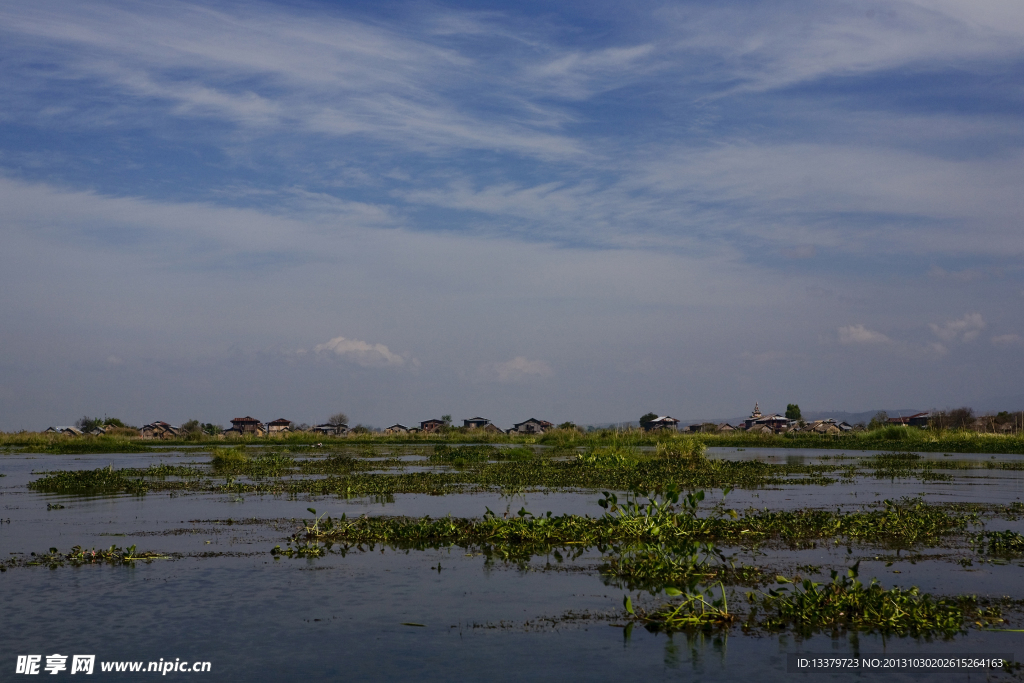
[[361, 353], [1007, 340], [518, 369], [965, 329], [858, 334]]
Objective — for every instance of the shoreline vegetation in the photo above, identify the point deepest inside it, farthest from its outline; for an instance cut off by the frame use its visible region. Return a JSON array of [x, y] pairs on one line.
[[886, 438]]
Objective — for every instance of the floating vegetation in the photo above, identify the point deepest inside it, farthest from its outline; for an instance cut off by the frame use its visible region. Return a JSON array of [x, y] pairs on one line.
[[78, 557], [846, 605], [998, 542], [697, 610], [462, 455], [649, 540], [905, 466], [90, 482], [605, 458], [229, 458]]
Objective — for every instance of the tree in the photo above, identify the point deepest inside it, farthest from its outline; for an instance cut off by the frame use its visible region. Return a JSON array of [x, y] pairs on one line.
[[881, 419], [87, 424], [648, 417], [793, 412], [961, 418], [192, 430], [570, 426], [338, 419], [212, 429], [447, 419]]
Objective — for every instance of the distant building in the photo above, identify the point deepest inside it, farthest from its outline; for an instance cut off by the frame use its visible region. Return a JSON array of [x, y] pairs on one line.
[[331, 430], [66, 430], [397, 429], [431, 426], [158, 430], [279, 425], [757, 422], [663, 422], [476, 423], [245, 426], [531, 426], [915, 420]]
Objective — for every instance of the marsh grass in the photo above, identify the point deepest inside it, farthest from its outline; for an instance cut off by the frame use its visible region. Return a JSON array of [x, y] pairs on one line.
[[229, 458], [886, 438]]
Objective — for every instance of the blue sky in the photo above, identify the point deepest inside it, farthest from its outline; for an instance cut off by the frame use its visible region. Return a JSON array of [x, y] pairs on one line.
[[573, 211]]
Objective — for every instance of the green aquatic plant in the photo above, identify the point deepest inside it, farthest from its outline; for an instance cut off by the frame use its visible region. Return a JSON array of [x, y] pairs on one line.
[[846, 604], [90, 482], [462, 455], [79, 556], [229, 458], [698, 609], [998, 542]]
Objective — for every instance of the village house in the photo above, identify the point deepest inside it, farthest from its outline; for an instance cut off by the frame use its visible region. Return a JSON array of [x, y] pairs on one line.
[[279, 425], [397, 429], [828, 426], [915, 420], [531, 426], [431, 426], [245, 426], [663, 422], [765, 423], [482, 423], [67, 431], [330, 430], [158, 430]]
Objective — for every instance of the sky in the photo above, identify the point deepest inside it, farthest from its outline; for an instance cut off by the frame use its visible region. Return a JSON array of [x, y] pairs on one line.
[[575, 211]]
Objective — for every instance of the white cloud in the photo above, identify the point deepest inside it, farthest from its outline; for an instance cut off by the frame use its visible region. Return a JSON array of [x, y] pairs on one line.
[[966, 329], [858, 334], [1007, 339], [361, 353], [517, 370]]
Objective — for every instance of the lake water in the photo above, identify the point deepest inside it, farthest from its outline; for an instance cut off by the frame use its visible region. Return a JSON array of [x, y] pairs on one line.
[[348, 617]]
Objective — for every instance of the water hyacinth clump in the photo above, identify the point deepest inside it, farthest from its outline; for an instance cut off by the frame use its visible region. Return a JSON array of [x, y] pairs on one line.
[[79, 556], [462, 455], [90, 482], [999, 542], [846, 604]]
